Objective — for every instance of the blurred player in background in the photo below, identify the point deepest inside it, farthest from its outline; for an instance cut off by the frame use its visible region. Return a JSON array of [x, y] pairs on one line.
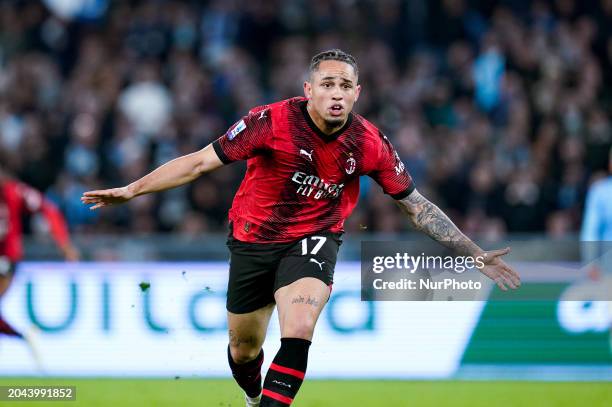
[[305, 157], [17, 199], [597, 229]]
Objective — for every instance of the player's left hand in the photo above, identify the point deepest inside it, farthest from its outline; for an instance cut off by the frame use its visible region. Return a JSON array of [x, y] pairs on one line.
[[497, 269]]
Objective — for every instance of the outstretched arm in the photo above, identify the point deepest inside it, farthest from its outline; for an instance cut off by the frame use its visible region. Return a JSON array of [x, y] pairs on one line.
[[429, 219], [426, 217], [174, 173]]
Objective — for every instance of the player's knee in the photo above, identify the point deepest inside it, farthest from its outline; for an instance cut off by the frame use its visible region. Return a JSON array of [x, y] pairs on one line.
[[300, 328], [243, 354]]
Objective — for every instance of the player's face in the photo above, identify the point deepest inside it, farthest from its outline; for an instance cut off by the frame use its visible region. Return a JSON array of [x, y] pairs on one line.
[[332, 91]]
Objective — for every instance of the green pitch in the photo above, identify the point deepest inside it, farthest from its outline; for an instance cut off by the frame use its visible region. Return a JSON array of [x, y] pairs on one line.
[[324, 393]]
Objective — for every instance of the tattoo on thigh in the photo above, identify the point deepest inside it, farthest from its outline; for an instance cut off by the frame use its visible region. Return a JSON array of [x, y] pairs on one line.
[[309, 300], [312, 301], [237, 341]]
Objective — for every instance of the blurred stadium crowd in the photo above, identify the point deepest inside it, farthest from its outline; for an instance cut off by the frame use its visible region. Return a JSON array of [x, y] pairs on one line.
[[500, 109]]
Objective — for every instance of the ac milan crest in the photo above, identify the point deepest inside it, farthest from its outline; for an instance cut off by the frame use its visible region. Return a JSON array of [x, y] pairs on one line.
[[350, 166]]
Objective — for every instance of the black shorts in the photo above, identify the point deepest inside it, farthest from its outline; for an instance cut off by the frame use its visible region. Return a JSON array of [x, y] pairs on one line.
[[257, 270], [7, 267]]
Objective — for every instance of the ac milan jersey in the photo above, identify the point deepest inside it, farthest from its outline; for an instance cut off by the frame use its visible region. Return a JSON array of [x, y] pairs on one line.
[[300, 181], [15, 200]]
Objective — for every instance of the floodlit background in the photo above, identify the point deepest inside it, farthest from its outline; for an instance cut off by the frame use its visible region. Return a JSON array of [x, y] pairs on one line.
[[500, 110]]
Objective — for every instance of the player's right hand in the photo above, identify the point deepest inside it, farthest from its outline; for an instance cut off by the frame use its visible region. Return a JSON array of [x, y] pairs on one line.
[[106, 197], [497, 270]]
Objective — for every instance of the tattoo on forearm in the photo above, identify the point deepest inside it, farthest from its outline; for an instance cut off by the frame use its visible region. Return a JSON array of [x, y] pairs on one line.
[[428, 218]]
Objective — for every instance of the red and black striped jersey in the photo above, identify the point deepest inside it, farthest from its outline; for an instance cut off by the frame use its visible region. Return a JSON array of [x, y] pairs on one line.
[[300, 181], [16, 199]]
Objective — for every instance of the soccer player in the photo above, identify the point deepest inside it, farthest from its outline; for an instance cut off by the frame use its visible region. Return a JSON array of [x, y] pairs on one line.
[[17, 198], [597, 229], [304, 159]]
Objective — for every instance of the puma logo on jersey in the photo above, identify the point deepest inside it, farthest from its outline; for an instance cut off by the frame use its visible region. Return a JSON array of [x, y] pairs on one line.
[[320, 264], [306, 153], [262, 115]]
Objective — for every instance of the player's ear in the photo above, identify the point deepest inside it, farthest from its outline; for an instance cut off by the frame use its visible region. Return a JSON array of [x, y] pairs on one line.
[[307, 89], [357, 92]]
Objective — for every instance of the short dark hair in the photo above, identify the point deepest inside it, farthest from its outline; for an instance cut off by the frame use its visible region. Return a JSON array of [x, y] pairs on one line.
[[333, 55]]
